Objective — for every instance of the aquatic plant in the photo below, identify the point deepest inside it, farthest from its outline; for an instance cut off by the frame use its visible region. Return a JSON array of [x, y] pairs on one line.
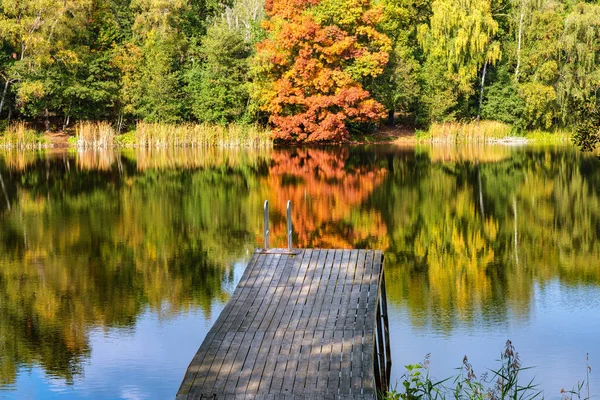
[[503, 383]]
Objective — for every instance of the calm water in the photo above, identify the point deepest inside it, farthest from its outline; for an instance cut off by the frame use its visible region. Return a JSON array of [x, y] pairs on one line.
[[114, 265]]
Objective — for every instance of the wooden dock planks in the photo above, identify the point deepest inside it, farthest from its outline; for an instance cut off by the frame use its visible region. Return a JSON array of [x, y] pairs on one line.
[[300, 325]]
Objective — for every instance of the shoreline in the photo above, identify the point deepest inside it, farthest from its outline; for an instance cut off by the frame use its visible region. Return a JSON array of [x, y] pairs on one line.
[[396, 136]]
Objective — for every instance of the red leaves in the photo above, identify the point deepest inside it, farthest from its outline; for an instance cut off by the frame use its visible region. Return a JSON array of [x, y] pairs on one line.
[[313, 72]]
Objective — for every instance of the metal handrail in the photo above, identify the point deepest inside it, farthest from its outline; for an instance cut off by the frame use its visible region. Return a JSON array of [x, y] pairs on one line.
[[267, 232]]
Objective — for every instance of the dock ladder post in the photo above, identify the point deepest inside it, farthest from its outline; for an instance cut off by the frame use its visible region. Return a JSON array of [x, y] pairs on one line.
[[289, 224], [266, 209], [267, 232]]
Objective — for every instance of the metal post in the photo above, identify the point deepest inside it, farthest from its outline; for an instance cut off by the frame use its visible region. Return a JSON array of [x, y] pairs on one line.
[[289, 224], [266, 224]]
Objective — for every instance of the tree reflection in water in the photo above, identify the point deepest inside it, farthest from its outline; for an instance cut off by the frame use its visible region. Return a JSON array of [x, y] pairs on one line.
[[94, 239]]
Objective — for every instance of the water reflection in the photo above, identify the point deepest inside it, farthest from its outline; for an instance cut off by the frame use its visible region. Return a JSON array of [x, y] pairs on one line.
[[472, 237], [95, 240]]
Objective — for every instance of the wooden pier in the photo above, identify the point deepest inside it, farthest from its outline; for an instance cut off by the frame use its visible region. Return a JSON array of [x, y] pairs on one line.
[[301, 324]]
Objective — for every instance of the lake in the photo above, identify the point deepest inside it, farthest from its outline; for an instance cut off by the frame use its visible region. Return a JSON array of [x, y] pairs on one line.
[[113, 265]]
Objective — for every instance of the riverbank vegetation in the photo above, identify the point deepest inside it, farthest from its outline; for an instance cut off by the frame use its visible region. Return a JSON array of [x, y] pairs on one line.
[[490, 132], [19, 136], [160, 135], [505, 382], [309, 71]]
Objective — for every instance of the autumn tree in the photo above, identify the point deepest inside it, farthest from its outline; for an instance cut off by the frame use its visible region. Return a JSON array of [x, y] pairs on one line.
[[458, 41], [37, 35], [312, 68], [579, 78]]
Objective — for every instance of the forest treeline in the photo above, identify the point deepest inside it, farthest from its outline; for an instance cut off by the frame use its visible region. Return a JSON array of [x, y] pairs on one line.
[[311, 69]]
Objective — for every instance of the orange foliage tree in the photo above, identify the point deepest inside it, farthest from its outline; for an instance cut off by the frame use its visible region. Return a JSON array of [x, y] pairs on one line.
[[312, 66]]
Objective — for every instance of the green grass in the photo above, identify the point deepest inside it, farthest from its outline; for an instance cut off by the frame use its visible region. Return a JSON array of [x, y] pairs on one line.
[[489, 131], [19, 136], [559, 136]]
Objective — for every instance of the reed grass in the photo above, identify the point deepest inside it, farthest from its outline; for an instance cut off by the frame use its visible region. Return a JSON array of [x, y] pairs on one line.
[[159, 135], [490, 132], [475, 131], [19, 136], [91, 134]]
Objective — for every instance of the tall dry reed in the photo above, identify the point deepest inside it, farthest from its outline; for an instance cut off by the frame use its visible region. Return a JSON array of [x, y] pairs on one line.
[[92, 134], [199, 135], [19, 136]]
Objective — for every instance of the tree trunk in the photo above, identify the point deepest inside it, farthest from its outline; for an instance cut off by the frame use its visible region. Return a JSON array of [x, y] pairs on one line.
[[119, 123], [46, 119], [7, 82], [9, 114], [391, 117], [67, 118], [481, 91], [519, 43]]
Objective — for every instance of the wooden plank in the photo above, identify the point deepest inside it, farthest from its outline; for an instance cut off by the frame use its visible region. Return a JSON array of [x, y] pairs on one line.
[[248, 366], [333, 383], [291, 368], [346, 362], [309, 294], [208, 364], [295, 305], [356, 375], [346, 308], [330, 288], [260, 363], [304, 358], [271, 361], [319, 295], [228, 364], [244, 317], [264, 296], [322, 372], [282, 361], [242, 293], [337, 291], [215, 367]]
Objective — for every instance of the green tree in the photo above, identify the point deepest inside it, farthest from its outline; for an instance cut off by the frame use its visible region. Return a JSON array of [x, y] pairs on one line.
[[397, 88], [579, 81], [217, 81], [460, 34], [38, 35], [151, 62]]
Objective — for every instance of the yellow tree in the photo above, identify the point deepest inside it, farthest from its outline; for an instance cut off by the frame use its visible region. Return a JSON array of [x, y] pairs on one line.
[[37, 34], [460, 35]]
